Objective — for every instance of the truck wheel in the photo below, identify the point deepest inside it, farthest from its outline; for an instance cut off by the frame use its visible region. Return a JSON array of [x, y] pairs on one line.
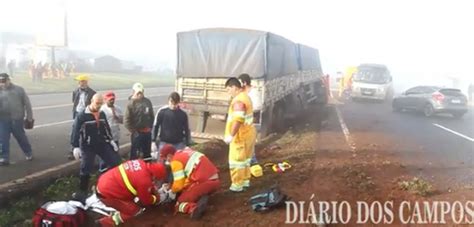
[[278, 121]]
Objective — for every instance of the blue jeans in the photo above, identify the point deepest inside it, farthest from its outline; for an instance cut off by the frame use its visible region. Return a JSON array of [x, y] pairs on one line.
[[102, 166], [14, 127], [104, 151], [141, 142]]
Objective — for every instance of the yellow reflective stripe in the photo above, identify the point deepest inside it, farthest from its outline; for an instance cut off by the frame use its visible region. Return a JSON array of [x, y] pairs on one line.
[[193, 161], [117, 218], [126, 181], [182, 206], [249, 119], [237, 164], [236, 188], [178, 175], [154, 199], [240, 114]]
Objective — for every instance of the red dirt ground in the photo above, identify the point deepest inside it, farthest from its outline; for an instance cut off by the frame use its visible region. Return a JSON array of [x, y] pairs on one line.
[[323, 166]]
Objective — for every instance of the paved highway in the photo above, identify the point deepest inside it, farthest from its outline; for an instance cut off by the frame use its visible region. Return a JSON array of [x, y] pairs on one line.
[[50, 137], [435, 146]]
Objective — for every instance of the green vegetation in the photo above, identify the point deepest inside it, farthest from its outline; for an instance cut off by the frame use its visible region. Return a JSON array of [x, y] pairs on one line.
[[20, 212], [417, 186], [98, 81]]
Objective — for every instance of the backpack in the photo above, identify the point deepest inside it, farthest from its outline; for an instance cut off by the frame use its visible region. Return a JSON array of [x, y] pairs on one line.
[[71, 217], [269, 199]]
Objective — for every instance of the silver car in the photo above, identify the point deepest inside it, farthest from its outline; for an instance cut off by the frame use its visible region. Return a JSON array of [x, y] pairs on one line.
[[431, 100]]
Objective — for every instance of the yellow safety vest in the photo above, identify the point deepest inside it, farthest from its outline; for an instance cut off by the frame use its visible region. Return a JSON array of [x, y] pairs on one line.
[[245, 117]]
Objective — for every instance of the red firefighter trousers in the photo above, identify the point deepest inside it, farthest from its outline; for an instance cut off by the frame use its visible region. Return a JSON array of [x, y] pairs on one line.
[[193, 192], [126, 209]]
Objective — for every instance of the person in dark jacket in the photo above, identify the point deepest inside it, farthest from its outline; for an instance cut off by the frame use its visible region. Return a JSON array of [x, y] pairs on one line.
[[92, 136], [81, 98], [139, 121], [171, 126], [14, 103]]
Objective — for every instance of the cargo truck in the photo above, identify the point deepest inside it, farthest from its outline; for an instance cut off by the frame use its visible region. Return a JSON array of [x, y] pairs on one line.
[[287, 76]]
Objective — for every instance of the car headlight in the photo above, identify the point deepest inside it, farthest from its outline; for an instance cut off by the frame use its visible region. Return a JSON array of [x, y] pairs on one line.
[[381, 90]]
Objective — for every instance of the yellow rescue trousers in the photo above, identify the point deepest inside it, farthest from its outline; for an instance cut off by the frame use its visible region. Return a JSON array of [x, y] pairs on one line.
[[240, 153]]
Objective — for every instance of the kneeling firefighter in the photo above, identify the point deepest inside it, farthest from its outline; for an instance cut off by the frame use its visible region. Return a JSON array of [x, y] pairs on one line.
[[195, 177], [129, 188]]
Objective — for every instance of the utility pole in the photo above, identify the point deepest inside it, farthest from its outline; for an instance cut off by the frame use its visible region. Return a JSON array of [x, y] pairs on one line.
[[53, 48]]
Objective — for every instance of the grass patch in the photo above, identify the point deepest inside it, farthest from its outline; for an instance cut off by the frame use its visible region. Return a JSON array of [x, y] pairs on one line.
[[98, 81], [417, 186], [19, 213]]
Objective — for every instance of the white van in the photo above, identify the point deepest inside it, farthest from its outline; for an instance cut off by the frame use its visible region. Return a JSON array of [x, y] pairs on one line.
[[372, 81]]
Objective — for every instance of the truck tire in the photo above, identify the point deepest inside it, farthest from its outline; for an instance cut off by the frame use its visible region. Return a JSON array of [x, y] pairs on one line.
[[278, 121]]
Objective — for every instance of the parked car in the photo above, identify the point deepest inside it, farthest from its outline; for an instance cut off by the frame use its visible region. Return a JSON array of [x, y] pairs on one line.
[[432, 100]]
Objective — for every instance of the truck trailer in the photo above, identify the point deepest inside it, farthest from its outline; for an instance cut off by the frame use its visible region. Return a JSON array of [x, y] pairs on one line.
[[287, 76]]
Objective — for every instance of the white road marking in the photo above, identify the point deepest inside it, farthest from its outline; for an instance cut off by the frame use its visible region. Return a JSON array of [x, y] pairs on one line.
[[52, 124], [70, 104], [345, 130], [51, 107], [65, 122], [46, 172], [125, 145], [454, 132]]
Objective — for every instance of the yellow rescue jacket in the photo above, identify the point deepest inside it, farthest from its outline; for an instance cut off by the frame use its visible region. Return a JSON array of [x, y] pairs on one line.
[[245, 117]]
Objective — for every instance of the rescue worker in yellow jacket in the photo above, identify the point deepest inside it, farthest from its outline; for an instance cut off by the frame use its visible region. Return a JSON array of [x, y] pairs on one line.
[[240, 134], [346, 81]]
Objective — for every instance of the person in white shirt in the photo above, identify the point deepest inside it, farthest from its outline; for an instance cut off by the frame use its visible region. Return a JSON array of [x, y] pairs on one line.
[[256, 103], [114, 116]]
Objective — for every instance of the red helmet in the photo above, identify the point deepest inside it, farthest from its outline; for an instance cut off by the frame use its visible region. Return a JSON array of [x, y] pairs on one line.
[[166, 150], [158, 170]]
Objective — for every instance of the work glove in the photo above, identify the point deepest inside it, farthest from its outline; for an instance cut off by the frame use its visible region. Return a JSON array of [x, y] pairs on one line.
[[163, 197], [171, 195], [164, 188], [114, 146], [154, 155], [136, 200], [77, 153], [228, 139], [154, 147]]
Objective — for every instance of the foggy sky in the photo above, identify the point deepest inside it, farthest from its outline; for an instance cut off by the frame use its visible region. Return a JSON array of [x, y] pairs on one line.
[[415, 39]]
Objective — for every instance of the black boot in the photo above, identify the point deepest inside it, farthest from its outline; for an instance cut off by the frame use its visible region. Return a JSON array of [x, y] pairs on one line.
[[200, 207], [81, 195]]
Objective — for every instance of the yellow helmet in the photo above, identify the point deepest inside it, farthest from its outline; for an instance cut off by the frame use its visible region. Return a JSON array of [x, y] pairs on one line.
[[82, 77], [351, 70], [256, 170]]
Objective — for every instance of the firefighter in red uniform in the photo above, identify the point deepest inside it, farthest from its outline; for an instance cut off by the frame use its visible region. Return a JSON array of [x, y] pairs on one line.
[[129, 188], [194, 177]]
